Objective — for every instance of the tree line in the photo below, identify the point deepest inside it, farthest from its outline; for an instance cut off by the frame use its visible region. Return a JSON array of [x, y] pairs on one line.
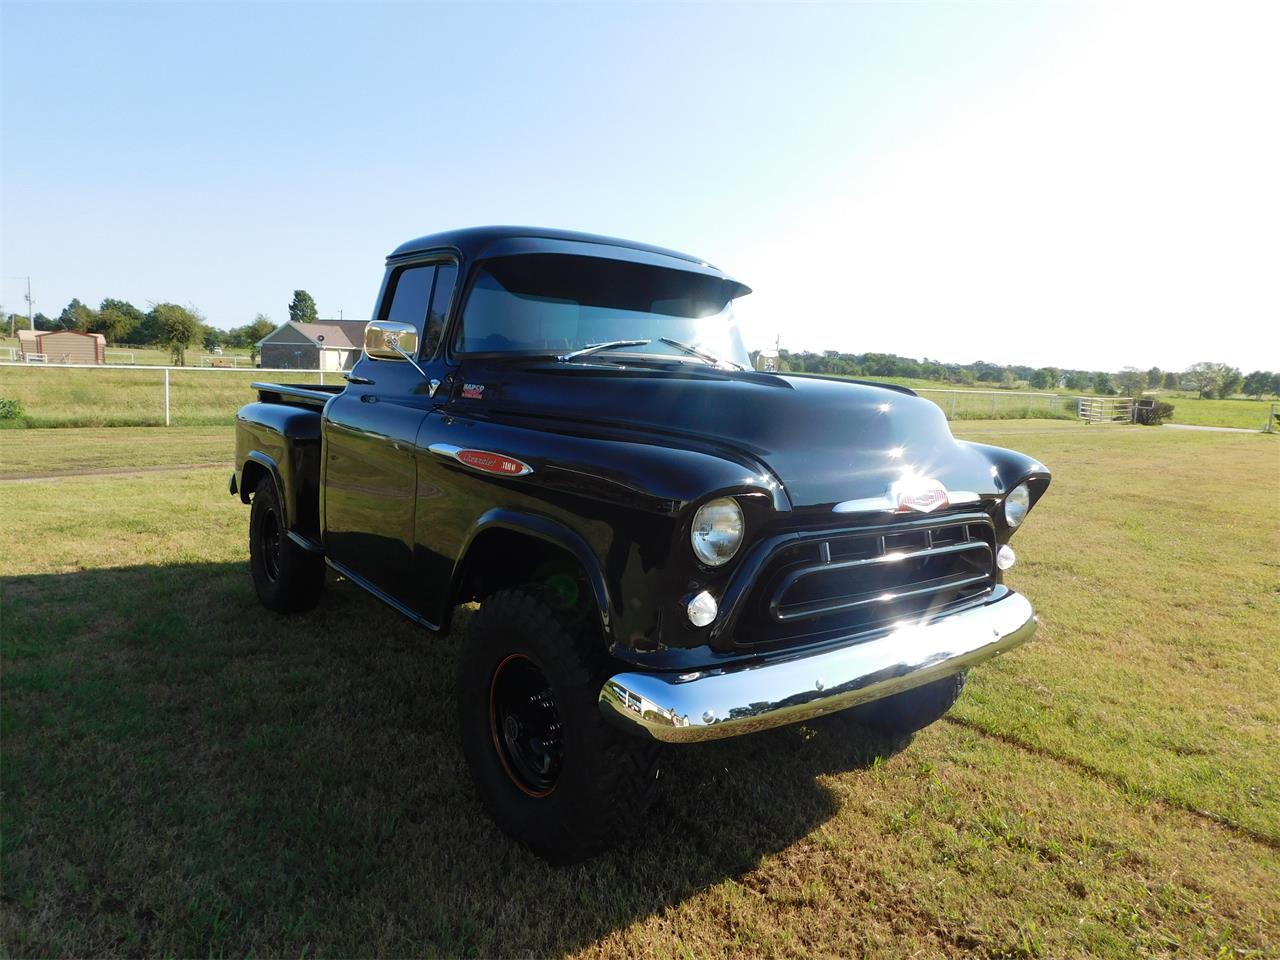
[[169, 326], [1208, 379], [177, 328]]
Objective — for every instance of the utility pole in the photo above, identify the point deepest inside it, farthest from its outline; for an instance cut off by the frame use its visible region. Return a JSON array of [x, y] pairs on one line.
[[30, 322]]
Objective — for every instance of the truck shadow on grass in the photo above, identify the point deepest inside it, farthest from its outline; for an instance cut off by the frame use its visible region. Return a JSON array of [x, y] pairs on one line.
[[185, 772]]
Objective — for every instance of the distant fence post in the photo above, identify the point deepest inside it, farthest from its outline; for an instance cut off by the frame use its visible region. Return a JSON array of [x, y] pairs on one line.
[[166, 396]]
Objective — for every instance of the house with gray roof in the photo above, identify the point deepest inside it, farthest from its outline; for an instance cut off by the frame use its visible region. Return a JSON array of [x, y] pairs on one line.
[[323, 345]]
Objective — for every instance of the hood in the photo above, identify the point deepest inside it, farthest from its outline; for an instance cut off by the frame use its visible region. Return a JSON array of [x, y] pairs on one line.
[[826, 440]]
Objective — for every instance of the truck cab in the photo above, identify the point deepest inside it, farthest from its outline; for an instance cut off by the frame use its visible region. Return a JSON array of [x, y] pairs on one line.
[[667, 546]]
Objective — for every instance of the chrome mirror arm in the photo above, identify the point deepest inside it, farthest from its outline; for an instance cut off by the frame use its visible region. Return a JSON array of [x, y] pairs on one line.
[[395, 345]]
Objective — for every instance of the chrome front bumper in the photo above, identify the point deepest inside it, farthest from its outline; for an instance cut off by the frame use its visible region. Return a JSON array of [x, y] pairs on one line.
[[711, 704]]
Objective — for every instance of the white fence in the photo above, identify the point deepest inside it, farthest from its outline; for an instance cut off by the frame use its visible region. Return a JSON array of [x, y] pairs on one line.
[[163, 381]]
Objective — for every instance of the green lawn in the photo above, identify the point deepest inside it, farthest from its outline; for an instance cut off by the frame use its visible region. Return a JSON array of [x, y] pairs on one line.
[[41, 453], [186, 773], [101, 397]]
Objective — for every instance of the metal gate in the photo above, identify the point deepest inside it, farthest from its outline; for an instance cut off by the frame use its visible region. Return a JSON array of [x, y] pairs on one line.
[[1105, 409]]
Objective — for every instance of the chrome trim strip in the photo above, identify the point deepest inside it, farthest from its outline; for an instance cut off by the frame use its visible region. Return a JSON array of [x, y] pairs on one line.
[[710, 705], [451, 451]]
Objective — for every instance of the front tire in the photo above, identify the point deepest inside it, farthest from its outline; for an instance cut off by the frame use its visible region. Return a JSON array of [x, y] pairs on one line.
[[550, 770], [288, 578]]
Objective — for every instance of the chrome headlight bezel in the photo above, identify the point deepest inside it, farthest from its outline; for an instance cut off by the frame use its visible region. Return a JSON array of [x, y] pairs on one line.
[[1017, 504], [717, 531]]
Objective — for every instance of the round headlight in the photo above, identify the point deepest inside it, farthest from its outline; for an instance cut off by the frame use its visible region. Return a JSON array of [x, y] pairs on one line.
[[717, 531], [1016, 505]]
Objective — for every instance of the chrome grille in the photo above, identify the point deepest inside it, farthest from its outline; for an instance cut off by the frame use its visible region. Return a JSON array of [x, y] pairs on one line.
[[849, 581]]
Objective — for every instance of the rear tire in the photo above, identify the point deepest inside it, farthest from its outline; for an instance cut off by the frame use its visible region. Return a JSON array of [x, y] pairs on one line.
[[550, 770], [288, 578]]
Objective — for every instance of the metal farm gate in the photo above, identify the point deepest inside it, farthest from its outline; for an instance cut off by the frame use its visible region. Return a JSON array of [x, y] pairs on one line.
[[1105, 409]]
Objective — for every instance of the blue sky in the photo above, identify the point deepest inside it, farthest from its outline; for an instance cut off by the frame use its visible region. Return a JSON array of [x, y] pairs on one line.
[[956, 181]]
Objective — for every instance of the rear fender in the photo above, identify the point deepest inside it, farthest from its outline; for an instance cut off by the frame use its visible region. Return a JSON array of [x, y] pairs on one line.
[[283, 442]]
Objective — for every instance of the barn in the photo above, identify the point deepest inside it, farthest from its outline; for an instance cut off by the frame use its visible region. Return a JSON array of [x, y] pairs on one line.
[[62, 346], [323, 345]]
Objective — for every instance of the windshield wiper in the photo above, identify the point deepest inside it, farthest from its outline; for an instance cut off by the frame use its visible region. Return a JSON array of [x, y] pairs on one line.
[[701, 354], [595, 347]]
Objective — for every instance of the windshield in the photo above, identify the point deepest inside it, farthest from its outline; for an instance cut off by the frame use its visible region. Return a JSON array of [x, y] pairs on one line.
[[555, 304]]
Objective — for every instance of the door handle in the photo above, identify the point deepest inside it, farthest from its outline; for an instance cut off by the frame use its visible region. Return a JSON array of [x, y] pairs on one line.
[[363, 381]]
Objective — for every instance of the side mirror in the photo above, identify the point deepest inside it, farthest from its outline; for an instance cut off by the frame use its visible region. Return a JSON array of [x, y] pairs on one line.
[[385, 340]]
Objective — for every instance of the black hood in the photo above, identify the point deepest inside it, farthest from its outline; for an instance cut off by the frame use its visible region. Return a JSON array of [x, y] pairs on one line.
[[826, 440]]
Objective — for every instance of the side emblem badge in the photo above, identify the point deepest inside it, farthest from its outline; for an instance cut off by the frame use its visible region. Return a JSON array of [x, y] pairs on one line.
[[473, 391]]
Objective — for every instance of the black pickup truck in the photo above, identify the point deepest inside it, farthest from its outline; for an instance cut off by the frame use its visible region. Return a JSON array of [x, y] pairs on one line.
[[666, 545]]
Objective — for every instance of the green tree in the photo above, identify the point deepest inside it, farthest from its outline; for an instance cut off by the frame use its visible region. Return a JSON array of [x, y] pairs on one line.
[[176, 328], [1103, 384], [117, 320], [1205, 378], [1230, 383], [1171, 381], [1154, 376], [302, 309], [1075, 380], [1131, 381], [1258, 383], [76, 316]]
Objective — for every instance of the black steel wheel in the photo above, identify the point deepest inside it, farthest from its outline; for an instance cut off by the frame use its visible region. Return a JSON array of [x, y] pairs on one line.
[[548, 767], [525, 725], [287, 577]]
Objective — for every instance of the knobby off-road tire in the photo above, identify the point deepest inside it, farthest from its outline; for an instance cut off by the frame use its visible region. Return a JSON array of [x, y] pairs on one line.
[[288, 579], [901, 714], [526, 678]]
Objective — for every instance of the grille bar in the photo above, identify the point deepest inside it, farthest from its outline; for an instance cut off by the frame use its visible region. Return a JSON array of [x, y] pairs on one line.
[[841, 583], [818, 608]]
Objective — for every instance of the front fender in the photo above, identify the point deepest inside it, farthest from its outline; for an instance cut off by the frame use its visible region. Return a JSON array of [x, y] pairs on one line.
[[550, 531]]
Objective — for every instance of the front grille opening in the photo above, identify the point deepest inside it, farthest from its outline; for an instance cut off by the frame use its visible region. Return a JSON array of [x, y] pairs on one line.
[[858, 581]]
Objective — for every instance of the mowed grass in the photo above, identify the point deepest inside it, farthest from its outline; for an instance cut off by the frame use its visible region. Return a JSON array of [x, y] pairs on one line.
[[102, 397], [1232, 412], [186, 773], [47, 453]]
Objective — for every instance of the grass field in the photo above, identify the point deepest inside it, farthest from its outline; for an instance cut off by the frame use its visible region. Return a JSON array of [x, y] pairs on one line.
[[186, 773], [96, 397]]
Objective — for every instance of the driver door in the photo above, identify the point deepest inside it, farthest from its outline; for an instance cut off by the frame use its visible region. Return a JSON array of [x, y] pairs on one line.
[[370, 469]]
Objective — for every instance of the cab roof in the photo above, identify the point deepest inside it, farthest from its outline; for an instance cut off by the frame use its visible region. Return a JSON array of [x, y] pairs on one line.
[[476, 242]]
